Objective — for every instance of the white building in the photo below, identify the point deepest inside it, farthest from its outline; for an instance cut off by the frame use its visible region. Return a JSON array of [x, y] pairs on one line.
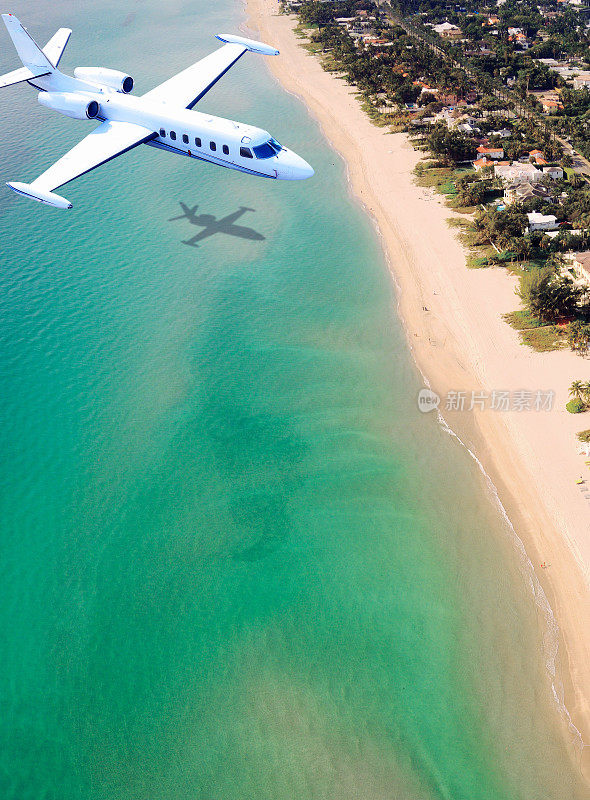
[[448, 31], [542, 222], [582, 81], [555, 173], [505, 133], [517, 173], [580, 262]]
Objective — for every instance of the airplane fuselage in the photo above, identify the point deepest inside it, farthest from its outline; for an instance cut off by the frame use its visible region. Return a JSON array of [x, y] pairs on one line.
[[162, 118], [220, 141]]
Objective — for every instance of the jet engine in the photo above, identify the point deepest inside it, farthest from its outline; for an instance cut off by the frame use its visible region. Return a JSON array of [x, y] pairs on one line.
[[110, 78], [70, 104]]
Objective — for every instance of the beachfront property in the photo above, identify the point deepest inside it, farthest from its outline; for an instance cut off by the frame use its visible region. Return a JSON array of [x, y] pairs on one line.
[[579, 263], [495, 153], [455, 119], [517, 173], [466, 127], [520, 192], [482, 162], [541, 222], [553, 172]]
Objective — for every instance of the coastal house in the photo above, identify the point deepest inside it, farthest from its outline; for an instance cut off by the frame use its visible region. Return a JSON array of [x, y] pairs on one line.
[[370, 40], [480, 51], [482, 162], [555, 173], [551, 106], [504, 133], [465, 127], [428, 90], [464, 119], [580, 263], [447, 97], [542, 222], [582, 81], [517, 173], [518, 36], [519, 192], [496, 153], [448, 31], [538, 157]]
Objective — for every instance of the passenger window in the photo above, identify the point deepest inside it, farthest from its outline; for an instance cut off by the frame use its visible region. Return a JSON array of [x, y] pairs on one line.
[[197, 141], [212, 145], [162, 133], [185, 138], [225, 149], [173, 135], [245, 152]]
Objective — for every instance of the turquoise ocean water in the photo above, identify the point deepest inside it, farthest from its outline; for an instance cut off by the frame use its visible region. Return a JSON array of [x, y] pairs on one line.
[[236, 562]]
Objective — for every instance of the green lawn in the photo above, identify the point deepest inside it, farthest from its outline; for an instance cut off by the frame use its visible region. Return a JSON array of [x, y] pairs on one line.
[[522, 320], [543, 339]]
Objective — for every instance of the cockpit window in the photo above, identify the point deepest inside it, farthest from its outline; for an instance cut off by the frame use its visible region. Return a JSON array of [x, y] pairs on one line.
[[265, 150], [268, 149]]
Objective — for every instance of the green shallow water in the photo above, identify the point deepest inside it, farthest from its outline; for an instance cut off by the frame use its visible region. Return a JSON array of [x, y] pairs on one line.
[[236, 561]]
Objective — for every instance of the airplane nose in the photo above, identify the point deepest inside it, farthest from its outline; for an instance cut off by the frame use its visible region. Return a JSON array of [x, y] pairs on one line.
[[305, 170], [295, 168]]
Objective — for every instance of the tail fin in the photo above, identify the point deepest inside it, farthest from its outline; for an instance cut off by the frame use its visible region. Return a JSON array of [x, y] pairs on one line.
[[30, 53], [56, 45]]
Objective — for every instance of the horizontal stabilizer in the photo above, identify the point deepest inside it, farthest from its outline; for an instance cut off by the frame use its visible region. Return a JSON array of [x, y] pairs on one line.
[[254, 47], [19, 75], [48, 198]]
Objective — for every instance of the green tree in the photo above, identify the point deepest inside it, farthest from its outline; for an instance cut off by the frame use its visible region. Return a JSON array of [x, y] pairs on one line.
[[576, 390], [453, 146], [578, 337], [548, 295]]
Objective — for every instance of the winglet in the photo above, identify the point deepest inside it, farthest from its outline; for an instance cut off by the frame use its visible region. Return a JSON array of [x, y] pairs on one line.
[[254, 47], [40, 196]]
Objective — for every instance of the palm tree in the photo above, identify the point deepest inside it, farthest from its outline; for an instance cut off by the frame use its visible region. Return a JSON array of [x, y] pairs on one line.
[[576, 390], [586, 393]]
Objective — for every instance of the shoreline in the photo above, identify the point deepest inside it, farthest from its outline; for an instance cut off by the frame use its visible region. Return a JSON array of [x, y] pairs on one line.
[[452, 320]]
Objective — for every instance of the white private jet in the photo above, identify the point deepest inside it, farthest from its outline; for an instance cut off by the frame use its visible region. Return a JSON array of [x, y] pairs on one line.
[[161, 118]]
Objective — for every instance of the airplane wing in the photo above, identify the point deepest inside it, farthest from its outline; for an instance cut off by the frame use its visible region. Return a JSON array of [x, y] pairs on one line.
[[198, 237], [234, 216], [109, 140], [189, 86]]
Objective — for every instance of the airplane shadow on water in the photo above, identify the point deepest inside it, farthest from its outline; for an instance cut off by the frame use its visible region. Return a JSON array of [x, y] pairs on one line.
[[211, 226]]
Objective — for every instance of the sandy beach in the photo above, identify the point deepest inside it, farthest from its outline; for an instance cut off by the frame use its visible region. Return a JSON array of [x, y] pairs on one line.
[[453, 320]]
